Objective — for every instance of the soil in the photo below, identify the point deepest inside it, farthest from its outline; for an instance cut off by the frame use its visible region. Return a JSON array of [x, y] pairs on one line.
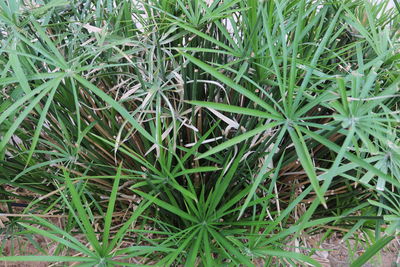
[[342, 254]]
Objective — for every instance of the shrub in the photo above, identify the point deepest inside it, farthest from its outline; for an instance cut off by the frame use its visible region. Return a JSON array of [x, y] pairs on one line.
[[198, 133]]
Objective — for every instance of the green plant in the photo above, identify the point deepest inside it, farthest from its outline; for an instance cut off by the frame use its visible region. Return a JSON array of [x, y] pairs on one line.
[[237, 125]]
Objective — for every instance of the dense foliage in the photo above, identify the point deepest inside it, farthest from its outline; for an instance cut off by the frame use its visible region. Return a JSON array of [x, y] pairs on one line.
[[198, 133]]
